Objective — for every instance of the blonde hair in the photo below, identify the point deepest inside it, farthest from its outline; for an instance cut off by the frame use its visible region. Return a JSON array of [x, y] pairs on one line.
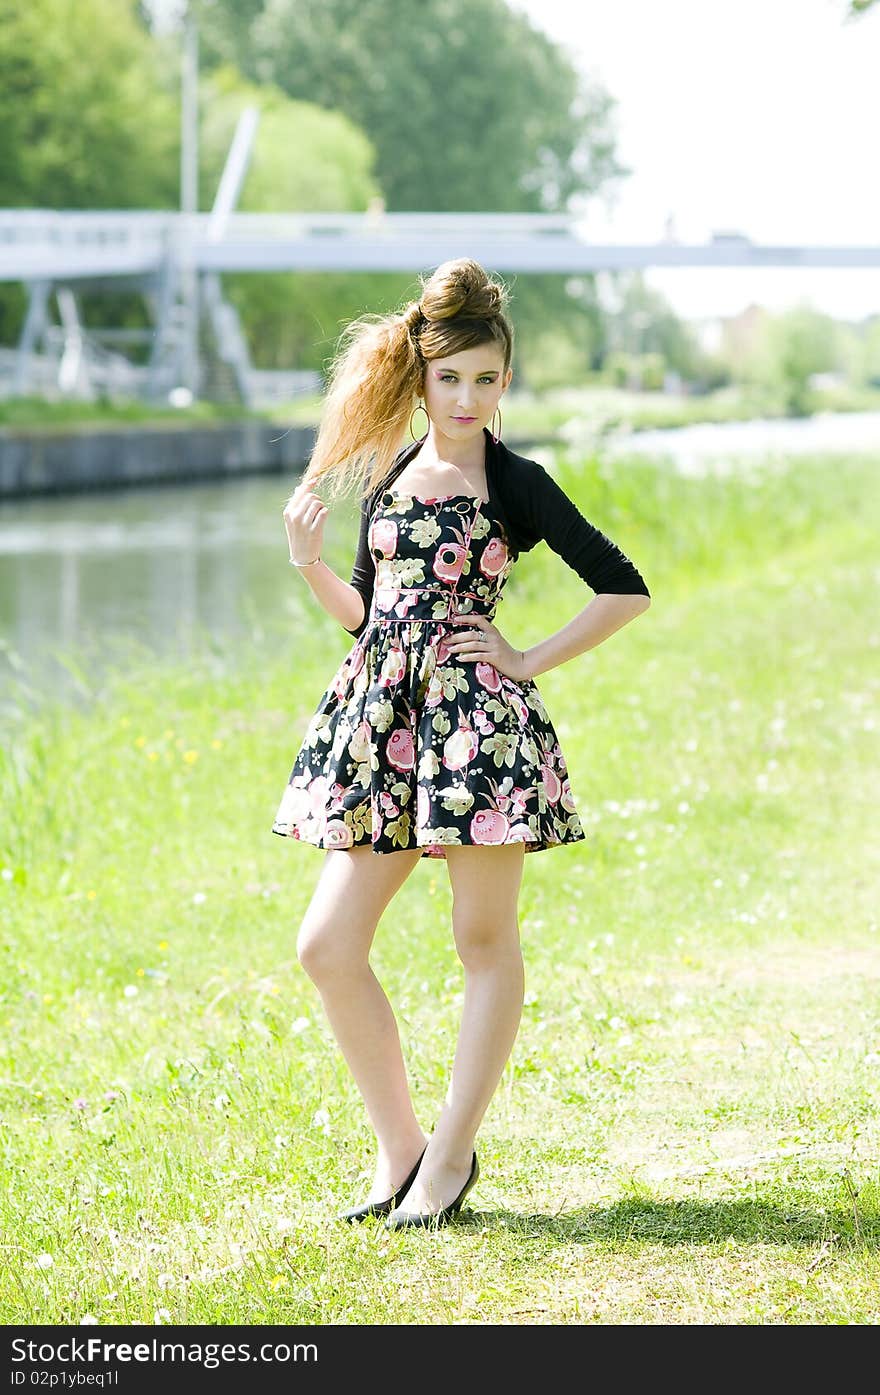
[[379, 368]]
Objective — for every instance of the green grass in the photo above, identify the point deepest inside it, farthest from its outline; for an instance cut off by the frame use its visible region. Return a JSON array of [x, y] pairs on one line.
[[530, 415], [35, 413], [525, 415], [687, 1129]]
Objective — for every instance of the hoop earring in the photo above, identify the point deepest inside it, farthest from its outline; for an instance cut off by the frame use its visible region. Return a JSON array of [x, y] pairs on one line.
[[419, 408], [497, 413]]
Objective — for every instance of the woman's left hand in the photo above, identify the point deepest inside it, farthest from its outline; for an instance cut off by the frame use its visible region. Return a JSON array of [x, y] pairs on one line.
[[478, 639]]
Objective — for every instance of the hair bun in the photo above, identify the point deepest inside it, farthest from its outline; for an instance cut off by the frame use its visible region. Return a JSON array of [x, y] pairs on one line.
[[462, 287]]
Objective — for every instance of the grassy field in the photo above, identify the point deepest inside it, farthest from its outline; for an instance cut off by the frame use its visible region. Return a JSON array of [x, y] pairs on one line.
[[525, 414], [687, 1129], [605, 408], [35, 413]]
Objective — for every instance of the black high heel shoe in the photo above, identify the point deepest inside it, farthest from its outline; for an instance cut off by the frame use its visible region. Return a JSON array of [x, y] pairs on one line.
[[382, 1208], [401, 1220]]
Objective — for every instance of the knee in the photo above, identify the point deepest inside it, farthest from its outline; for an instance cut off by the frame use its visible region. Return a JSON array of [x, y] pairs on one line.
[[321, 951], [485, 943]]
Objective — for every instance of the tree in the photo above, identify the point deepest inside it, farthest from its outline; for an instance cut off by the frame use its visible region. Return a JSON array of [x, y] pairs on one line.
[[224, 29], [803, 341], [453, 129], [860, 351], [784, 351], [292, 319], [333, 167], [645, 323], [87, 119]]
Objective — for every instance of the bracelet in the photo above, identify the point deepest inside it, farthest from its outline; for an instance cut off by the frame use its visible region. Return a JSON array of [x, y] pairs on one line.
[[303, 564]]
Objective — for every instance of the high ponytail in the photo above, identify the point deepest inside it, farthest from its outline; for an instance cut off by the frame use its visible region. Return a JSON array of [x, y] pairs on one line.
[[379, 369]]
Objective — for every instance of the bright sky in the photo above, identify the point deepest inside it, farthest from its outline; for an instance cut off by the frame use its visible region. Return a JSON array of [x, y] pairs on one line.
[[754, 116]]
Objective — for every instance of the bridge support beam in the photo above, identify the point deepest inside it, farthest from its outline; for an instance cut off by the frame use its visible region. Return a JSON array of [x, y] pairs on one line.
[[36, 322]]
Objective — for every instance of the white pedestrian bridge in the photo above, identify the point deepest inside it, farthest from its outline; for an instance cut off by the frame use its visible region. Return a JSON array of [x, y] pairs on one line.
[[40, 244], [195, 338]]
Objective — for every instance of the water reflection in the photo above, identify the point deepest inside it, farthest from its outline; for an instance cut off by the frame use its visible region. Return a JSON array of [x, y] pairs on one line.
[[161, 569], [719, 447], [156, 569]]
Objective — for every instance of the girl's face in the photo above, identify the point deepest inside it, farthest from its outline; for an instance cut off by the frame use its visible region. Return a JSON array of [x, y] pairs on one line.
[[462, 390]]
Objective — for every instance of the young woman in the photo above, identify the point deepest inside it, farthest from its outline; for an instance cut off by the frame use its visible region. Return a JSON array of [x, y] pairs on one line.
[[432, 739]]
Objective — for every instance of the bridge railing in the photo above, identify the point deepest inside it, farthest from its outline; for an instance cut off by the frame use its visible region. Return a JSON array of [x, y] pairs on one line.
[[115, 225], [37, 243], [44, 232], [36, 226]]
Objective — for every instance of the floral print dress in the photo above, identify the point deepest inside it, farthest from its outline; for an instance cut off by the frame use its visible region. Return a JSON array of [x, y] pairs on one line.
[[410, 747]]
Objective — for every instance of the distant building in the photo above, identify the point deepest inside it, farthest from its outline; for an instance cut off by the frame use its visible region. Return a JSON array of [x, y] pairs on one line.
[[732, 336], [741, 334]]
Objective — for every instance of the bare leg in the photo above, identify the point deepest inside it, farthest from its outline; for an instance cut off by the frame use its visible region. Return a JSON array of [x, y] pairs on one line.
[[333, 946], [485, 883]]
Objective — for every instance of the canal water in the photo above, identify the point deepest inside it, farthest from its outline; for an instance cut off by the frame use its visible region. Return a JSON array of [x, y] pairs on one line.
[[91, 580], [165, 569]]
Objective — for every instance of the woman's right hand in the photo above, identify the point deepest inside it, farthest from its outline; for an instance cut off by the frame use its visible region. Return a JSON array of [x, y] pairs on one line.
[[304, 518]]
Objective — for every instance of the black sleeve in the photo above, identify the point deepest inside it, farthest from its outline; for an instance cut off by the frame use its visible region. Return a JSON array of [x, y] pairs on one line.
[[596, 559], [364, 570]]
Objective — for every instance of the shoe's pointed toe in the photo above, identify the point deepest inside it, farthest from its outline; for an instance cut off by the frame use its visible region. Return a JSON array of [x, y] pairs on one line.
[[369, 1208], [382, 1208]]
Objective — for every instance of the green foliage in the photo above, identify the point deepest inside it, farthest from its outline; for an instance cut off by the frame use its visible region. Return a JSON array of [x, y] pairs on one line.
[[293, 319], [783, 352], [468, 106], [296, 319], [89, 111], [620, 369], [303, 157], [13, 307], [87, 118], [872, 352], [652, 368], [560, 327], [35, 413], [643, 322], [403, 73], [225, 30], [801, 342], [778, 354], [643, 372], [552, 361]]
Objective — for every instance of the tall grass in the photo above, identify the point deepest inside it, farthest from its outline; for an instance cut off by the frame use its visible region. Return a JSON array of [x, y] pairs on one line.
[[687, 1129]]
